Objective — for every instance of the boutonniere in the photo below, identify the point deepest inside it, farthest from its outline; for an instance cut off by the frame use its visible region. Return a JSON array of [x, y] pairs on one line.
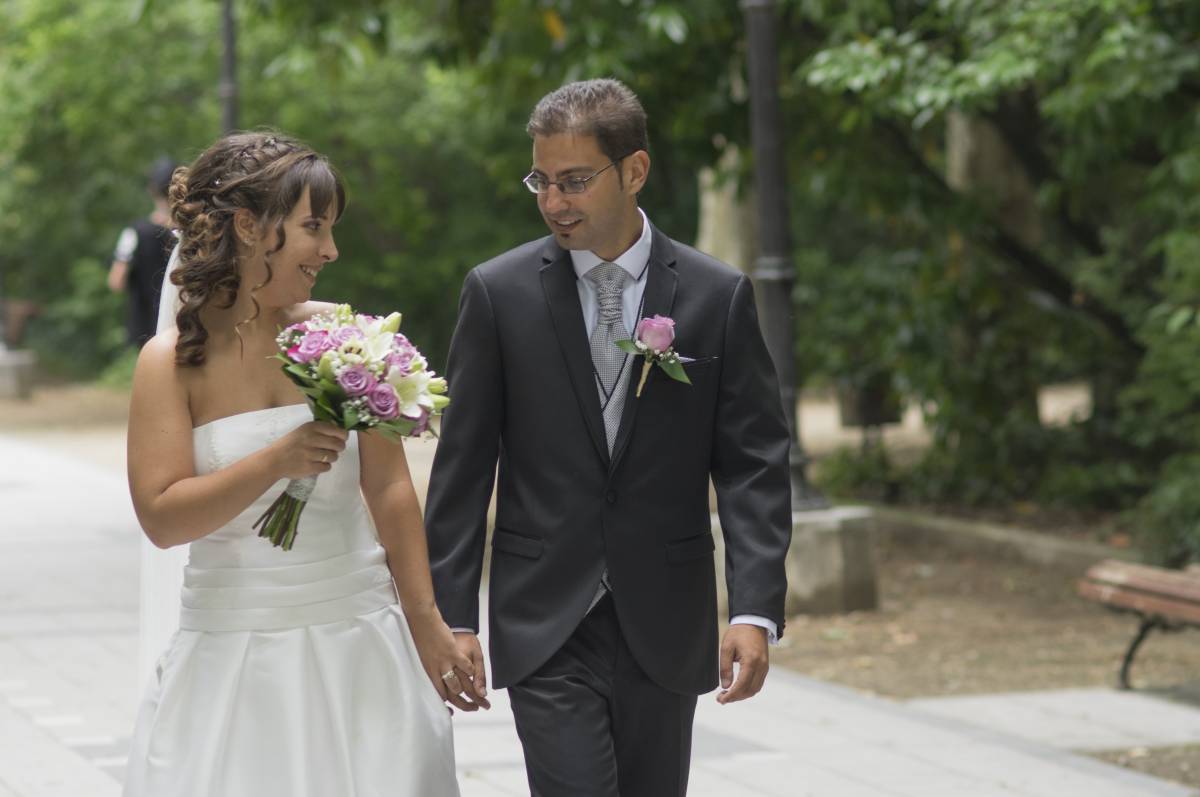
[[653, 339]]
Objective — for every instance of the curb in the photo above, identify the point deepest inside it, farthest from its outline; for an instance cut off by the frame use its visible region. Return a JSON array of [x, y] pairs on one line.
[[995, 540]]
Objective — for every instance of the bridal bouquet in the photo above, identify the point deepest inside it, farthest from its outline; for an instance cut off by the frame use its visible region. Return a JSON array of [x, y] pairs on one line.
[[359, 373]]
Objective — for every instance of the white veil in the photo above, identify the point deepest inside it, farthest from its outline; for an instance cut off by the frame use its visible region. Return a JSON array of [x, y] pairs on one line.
[[161, 571]]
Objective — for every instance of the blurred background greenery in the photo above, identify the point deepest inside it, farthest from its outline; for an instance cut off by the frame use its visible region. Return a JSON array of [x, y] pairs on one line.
[[987, 196]]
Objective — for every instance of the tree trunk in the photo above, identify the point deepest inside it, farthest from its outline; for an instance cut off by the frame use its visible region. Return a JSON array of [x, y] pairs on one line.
[[979, 163], [728, 227]]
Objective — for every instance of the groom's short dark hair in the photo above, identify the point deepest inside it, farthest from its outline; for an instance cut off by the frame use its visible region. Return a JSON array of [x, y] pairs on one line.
[[605, 109]]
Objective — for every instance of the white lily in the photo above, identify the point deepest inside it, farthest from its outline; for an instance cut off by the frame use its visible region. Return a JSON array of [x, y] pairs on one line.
[[413, 393], [371, 327], [377, 346]]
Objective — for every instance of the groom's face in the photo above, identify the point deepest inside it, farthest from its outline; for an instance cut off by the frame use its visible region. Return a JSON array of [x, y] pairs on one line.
[[596, 219]]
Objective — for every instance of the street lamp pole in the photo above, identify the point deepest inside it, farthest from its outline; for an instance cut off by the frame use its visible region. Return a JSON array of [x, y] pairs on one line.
[[774, 271], [228, 88]]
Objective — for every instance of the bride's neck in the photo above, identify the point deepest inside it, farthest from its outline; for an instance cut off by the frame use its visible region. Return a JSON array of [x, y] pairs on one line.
[[244, 321]]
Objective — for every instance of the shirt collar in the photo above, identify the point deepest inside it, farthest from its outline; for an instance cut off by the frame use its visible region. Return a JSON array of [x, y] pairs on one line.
[[633, 260]]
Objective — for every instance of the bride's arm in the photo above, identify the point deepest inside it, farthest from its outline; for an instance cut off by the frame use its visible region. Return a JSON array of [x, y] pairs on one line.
[[388, 489], [173, 504]]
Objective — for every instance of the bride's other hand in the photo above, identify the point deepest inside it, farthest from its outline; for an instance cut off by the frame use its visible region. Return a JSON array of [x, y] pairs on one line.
[[388, 489], [450, 671], [309, 450]]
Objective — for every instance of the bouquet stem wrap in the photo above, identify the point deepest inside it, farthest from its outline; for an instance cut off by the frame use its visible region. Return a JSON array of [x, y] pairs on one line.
[[282, 518]]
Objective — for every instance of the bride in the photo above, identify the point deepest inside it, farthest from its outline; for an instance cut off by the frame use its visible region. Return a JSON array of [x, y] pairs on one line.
[[316, 671]]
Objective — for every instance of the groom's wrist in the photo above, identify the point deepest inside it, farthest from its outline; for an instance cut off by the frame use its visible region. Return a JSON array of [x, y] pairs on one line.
[[762, 622]]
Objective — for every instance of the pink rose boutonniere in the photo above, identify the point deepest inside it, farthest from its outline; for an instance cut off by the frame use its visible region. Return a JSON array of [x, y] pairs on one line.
[[653, 339]]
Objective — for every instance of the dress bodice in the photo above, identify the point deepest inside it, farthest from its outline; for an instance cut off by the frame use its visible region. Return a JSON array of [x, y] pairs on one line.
[[335, 520]]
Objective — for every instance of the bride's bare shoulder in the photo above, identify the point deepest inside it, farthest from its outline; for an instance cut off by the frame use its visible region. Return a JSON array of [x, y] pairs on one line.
[[156, 369], [166, 339], [159, 351]]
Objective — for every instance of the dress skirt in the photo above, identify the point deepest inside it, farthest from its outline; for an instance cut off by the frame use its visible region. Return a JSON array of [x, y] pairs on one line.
[[292, 681]]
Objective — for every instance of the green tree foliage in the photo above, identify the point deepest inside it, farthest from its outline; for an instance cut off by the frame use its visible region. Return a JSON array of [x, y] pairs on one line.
[[91, 95], [1077, 259], [1096, 101]]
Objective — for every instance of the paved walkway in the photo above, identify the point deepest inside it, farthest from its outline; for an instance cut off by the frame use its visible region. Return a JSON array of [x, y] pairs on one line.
[[68, 625]]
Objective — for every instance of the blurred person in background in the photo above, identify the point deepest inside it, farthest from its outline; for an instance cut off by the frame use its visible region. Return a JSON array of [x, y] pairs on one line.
[[140, 259]]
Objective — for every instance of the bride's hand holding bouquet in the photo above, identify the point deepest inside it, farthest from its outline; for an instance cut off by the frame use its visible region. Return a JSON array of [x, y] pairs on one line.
[[309, 450]]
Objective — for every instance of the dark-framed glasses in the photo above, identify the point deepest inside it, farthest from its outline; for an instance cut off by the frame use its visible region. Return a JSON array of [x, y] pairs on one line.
[[540, 184]]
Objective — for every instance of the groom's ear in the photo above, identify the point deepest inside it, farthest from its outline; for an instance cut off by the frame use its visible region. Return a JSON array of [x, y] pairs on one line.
[[636, 168]]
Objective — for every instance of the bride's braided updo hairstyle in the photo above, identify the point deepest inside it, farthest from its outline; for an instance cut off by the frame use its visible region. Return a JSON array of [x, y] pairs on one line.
[[262, 172]]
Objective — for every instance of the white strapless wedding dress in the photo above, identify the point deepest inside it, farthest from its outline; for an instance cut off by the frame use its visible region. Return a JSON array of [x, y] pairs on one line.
[[293, 673]]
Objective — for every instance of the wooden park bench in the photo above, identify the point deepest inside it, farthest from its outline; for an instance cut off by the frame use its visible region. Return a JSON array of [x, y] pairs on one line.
[[1168, 600]]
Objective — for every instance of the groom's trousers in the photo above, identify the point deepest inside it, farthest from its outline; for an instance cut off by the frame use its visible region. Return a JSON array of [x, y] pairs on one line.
[[594, 725]]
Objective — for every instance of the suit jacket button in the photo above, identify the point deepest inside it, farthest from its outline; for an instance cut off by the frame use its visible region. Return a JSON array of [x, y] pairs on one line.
[[611, 496]]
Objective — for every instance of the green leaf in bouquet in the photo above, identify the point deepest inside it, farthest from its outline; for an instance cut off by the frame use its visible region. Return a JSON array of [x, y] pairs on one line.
[[296, 371], [627, 346], [350, 418]]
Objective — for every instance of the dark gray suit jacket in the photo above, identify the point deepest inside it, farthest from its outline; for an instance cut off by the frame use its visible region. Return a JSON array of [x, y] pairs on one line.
[[523, 395]]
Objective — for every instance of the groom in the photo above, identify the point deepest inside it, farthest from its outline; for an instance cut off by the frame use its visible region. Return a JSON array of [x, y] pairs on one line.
[[602, 602]]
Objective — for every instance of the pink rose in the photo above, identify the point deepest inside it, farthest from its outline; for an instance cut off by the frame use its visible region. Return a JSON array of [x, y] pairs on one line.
[[422, 425], [356, 380], [311, 346], [383, 401], [401, 355], [344, 335], [658, 333]]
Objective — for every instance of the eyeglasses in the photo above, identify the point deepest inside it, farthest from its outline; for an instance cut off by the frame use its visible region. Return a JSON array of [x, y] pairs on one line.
[[538, 184]]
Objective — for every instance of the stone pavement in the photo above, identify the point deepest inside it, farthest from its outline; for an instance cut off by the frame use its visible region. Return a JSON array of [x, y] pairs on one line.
[[1076, 719], [68, 625]]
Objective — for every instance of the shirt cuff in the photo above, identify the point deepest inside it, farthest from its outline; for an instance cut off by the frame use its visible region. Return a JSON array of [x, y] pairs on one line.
[[761, 622]]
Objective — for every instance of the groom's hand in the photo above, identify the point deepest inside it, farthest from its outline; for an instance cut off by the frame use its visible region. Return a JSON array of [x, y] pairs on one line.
[[468, 645], [746, 645]]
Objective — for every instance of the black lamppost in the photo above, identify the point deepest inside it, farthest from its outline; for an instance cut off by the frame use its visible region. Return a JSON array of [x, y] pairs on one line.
[[773, 270], [3, 317], [228, 87]]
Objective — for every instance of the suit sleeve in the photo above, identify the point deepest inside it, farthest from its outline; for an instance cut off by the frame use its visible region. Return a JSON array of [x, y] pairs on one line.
[[460, 488], [750, 467]]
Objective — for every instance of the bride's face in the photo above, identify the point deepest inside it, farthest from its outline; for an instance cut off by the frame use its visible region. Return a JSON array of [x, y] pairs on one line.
[[308, 246]]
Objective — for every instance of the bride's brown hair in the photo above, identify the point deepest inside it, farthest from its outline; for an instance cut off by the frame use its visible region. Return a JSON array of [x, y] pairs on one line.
[[262, 172]]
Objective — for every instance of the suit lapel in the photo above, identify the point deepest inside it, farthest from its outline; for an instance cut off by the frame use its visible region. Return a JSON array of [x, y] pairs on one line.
[[562, 295], [659, 299]]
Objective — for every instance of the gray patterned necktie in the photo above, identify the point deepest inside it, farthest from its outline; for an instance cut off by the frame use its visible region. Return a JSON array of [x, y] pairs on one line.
[[612, 377]]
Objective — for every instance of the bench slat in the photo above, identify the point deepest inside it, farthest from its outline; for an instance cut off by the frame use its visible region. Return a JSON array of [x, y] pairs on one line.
[[1133, 600], [1181, 585]]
